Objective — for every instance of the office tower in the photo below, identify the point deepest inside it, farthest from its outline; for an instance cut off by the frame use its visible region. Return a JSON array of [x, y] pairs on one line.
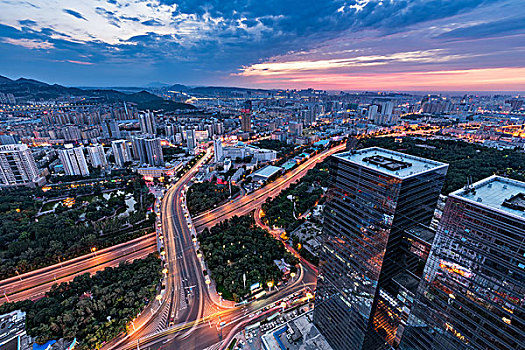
[[121, 152], [375, 196], [147, 123], [73, 160], [17, 165], [191, 140], [110, 129], [97, 156], [372, 112], [218, 152], [473, 293], [246, 116], [147, 150], [295, 128], [246, 122]]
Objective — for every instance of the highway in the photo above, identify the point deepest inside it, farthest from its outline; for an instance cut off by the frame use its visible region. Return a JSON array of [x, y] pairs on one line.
[[192, 315], [245, 205], [34, 284], [189, 312]]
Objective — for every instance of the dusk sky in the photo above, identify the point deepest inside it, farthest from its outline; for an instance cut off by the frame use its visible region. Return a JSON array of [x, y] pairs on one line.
[[337, 45]]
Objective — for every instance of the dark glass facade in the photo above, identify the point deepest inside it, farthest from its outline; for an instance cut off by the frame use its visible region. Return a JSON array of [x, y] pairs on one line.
[[365, 261], [472, 293]]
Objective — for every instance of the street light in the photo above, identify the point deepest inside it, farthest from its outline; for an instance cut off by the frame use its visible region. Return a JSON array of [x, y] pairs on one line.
[[94, 250], [270, 284], [292, 274]]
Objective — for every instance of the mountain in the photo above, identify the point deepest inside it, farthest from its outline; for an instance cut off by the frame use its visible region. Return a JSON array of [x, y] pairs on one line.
[[30, 90], [225, 91]]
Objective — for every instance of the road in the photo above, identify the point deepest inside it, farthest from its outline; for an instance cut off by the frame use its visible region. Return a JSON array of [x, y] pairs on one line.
[[34, 284], [192, 306], [245, 205]]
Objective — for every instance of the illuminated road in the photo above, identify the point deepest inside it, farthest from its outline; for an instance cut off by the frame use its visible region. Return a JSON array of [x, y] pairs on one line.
[[34, 284], [248, 203], [191, 304]]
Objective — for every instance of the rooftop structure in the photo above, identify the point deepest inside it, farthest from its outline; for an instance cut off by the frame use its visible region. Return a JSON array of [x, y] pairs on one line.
[[392, 163], [266, 172], [499, 193]]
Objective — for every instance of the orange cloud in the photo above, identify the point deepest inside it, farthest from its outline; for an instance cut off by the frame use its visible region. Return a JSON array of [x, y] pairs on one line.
[[485, 79]]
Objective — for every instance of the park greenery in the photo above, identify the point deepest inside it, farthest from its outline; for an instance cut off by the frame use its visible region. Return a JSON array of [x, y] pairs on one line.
[[207, 195], [237, 247], [31, 240], [282, 148], [464, 159], [170, 153], [279, 211], [93, 309]]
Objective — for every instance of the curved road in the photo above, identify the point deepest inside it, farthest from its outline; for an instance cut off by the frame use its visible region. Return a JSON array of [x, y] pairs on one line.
[[34, 284], [245, 205]]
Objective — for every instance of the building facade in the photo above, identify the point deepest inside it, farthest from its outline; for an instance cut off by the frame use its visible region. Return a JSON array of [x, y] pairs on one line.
[[375, 196], [17, 165], [472, 295], [97, 156], [147, 123], [121, 152], [73, 160]]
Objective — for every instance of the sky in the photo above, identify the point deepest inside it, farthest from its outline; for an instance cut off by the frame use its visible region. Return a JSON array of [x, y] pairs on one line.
[[388, 45]]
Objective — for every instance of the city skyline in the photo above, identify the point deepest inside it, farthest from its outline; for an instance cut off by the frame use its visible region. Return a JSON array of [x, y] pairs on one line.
[[358, 45]]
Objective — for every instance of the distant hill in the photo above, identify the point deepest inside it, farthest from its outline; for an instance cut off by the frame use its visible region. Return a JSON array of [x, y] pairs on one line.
[[32, 90], [225, 91]]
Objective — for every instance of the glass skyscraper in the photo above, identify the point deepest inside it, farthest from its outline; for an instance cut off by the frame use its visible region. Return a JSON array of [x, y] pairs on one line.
[[472, 295], [377, 201]]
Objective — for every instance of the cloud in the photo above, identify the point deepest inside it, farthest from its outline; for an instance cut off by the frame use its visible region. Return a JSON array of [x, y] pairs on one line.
[[74, 14], [483, 30], [292, 67], [27, 22], [195, 41], [152, 22], [29, 43], [80, 62]]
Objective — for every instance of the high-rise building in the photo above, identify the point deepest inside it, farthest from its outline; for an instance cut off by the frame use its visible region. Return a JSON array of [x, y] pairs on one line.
[[375, 196], [17, 165], [372, 112], [121, 152], [246, 122], [218, 152], [71, 133], [472, 295], [295, 128], [7, 140], [191, 140], [97, 156], [73, 160], [110, 129], [154, 151], [148, 150], [246, 116], [147, 123]]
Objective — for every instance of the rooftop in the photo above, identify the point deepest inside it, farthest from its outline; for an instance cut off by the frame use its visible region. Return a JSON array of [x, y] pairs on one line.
[[390, 162], [496, 192], [267, 171]]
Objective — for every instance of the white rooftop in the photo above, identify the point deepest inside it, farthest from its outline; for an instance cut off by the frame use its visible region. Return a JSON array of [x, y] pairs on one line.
[[390, 162], [492, 192], [267, 171]]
